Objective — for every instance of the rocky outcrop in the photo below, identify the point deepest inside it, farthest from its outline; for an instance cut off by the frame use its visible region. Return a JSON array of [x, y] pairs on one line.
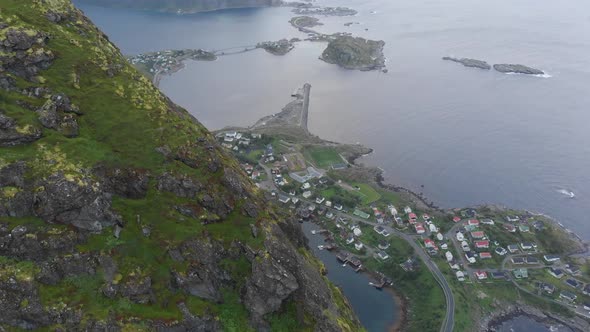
[[11, 134], [81, 204], [469, 62], [517, 69], [22, 53], [355, 53], [180, 186], [125, 182], [58, 113]]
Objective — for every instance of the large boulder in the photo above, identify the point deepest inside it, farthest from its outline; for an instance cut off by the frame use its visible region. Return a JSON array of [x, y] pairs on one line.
[[77, 202], [181, 186]]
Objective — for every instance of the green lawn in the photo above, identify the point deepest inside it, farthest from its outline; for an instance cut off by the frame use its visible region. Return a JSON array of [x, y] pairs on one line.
[[323, 157], [368, 194]]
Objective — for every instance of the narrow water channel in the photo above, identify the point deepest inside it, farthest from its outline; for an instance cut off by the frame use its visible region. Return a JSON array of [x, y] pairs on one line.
[[376, 309]]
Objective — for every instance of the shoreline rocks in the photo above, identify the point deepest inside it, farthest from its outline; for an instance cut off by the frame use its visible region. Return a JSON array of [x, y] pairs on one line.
[[467, 62], [517, 69]]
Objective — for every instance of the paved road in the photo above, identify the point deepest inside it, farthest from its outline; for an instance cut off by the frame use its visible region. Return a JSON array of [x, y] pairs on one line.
[[449, 320]]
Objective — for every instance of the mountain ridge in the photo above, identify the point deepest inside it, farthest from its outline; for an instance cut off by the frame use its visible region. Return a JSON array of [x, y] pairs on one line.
[[119, 210]]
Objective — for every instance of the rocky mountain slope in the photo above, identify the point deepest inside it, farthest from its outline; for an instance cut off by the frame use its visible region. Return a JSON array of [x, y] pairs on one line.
[[119, 211], [184, 6]]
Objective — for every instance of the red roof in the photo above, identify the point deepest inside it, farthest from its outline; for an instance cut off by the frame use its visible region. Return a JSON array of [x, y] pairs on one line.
[[419, 227], [481, 274], [482, 244], [473, 222], [477, 234], [485, 255], [429, 243], [412, 216], [456, 219]]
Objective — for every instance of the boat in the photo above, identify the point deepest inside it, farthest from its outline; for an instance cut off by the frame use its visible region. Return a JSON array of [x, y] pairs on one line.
[[568, 193], [313, 231], [321, 247]]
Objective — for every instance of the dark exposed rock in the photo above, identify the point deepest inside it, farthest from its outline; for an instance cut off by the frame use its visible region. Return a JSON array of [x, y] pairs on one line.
[[7, 83], [79, 204], [233, 181], [254, 230], [56, 114], [23, 54], [125, 182], [203, 277], [137, 289], [11, 134], [53, 16], [214, 165], [221, 206], [181, 186], [270, 284], [250, 210], [12, 175], [54, 270], [20, 304], [193, 323]]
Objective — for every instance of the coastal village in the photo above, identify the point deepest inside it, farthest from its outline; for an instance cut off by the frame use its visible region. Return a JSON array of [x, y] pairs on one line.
[[365, 226]]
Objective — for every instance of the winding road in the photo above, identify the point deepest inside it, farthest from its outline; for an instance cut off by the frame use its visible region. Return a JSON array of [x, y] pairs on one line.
[[449, 320]]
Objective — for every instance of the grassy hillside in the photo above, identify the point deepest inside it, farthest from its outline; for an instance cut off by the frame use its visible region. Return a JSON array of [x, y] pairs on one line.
[[119, 210]]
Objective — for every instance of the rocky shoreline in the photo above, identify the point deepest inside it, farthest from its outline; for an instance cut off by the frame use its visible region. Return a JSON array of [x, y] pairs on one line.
[[496, 319]]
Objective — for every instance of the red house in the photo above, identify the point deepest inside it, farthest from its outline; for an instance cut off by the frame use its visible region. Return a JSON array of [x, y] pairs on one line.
[[482, 244], [473, 222]]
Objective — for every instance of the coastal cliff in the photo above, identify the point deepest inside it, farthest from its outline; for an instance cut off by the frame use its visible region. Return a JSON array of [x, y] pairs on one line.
[[182, 6], [118, 210]]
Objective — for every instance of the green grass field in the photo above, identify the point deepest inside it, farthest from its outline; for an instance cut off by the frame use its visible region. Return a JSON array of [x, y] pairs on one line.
[[368, 194], [323, 157]]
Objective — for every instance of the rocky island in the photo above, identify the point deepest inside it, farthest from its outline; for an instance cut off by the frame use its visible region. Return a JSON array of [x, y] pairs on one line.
[[517, 69], [280, 47], [469, 62], [355, 53], [305, 22]]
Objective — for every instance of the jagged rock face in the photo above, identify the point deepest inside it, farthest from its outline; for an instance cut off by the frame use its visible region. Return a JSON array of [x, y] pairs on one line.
[[117, 208], [82, 205], [22, 53]]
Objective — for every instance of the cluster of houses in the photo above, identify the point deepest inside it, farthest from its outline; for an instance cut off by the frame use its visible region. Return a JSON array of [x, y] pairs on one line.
[[568, 274], [234, 140]]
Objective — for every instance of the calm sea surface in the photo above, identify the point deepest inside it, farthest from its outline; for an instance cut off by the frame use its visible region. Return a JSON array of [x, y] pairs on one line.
[[469, 136]]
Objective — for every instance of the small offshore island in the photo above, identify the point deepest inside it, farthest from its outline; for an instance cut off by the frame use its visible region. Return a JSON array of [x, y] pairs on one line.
[[469, 62], [517, 69], [466, 269], [355, 53]]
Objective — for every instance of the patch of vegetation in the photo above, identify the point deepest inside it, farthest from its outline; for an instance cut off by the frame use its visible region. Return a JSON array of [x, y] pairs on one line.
[[323, 157]]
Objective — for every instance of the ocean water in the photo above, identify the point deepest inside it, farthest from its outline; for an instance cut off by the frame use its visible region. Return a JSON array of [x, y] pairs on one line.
[[469, 136]]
